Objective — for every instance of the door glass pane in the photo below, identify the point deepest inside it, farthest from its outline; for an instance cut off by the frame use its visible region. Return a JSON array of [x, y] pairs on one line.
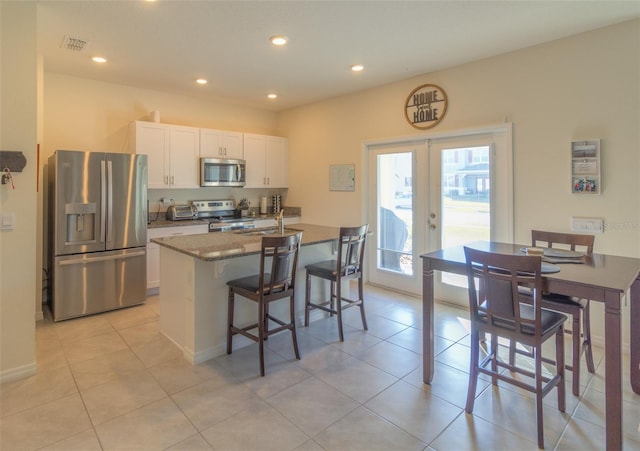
[[465, 200], [395, 212]]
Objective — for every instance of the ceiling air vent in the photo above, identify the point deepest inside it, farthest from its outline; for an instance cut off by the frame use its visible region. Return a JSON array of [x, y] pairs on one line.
[[75, 44]]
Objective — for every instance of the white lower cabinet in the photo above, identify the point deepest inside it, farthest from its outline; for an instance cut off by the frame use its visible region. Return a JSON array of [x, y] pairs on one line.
[[153, 250]]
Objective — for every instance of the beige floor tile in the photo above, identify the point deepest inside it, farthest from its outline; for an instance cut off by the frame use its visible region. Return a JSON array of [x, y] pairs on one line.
[[178, 374], [326, 329], [580, 435], [391, 358], [356, 379], [276, 379], [457, 356], [470, 432], [157, 351], [319, 359], [415, 411], [408, 315], [88, 348], [43, 387], [309, 445], [312, 405], [139, 335], [244, 363], [364, 430], [260, 428], [194, 443], [120, 396], [409, 338], [152, 427], [378, 326], [81, 328], [50, 354], [356, 341], [209, 403], [45, 424], [84, 441], [104, 368], [131, 316], [592, 409], [517, 413], [282, 345]]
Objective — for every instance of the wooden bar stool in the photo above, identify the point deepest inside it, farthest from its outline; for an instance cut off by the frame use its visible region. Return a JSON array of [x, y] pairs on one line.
[[571, 305], [348, 265], [275, 281]]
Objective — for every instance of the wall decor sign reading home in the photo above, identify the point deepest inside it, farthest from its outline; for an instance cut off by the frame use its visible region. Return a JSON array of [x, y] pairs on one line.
[[426, 106]]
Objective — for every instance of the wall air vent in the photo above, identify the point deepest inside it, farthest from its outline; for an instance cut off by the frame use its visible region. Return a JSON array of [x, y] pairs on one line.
[[75, 44]]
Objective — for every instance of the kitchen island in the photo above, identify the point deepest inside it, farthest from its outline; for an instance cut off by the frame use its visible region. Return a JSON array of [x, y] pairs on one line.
[[194, 270]]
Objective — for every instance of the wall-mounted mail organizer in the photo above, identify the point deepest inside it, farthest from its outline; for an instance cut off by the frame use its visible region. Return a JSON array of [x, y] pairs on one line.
[[13, 160], [585, 167]]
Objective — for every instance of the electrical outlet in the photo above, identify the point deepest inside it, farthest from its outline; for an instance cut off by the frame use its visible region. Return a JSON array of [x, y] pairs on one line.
[[587, 225], [165, 201]]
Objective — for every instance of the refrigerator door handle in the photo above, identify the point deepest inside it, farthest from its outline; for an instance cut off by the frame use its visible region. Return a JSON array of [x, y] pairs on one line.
[[75, 261], [109, 201], [103, 200]]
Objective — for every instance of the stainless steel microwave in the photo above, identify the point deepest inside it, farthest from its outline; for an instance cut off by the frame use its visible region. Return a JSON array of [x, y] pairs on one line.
[[222, 172]]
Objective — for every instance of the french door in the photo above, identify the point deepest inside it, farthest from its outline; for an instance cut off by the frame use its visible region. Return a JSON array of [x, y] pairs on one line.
[[436, 193]]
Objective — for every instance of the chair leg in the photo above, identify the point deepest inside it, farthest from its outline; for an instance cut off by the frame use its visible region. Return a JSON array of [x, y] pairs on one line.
[[537, 350], [361, 298], [586, 332], [292, 316], [473, 371], [494, 360], [261, 316], [560, 370], [512, 352], [230, 320], [307, 300], [332, 298], [338, 291], [575, 358]]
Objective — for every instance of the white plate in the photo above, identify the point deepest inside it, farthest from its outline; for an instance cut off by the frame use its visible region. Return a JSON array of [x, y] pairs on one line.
[[561, 253]]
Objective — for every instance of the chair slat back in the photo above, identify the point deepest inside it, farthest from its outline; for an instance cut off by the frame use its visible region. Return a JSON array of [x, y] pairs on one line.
[[351, 249], [494, 298], [570, 239], [279, 260]]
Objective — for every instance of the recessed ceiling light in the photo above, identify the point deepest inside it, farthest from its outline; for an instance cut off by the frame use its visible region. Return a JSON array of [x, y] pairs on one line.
[[99, 59], [357, 68], [272, 96], [201, 81], [278, 40]]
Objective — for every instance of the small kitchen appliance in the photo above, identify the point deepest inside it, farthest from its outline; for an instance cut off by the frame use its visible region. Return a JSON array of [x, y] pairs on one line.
[[181, 212], [222, 215]]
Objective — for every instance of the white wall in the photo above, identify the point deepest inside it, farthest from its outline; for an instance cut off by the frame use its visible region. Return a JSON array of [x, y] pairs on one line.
[[585, 86], [18, 131]]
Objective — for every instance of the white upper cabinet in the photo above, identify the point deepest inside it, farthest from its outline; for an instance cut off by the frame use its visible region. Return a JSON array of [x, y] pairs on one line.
[[172, 150], [220, 144], [267, 161]]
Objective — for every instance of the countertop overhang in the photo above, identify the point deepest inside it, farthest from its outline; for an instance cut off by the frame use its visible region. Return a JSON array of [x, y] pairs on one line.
[[224, 245]]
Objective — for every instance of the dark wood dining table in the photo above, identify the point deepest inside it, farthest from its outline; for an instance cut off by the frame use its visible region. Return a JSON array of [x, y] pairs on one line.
[[600, 278]]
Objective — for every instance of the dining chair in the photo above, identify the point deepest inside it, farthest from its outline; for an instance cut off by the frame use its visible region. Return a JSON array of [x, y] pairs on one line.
[[495, 308], [347, 266], [571, 305], [275, 281]]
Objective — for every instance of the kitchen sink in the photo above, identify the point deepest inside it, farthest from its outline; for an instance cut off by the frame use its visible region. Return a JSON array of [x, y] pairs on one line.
[[266, 231]]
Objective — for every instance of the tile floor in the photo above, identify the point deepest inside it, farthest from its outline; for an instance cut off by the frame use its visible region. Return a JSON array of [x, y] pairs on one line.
[[114, 382]]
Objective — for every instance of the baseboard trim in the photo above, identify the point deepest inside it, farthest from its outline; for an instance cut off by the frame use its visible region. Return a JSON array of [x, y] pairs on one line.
[[18, 373]]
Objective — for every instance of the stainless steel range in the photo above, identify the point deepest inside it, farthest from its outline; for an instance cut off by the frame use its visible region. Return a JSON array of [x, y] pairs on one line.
[[222, 215]]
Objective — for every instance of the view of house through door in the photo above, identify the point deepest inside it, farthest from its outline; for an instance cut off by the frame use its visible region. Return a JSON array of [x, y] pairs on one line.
[[432, 194]]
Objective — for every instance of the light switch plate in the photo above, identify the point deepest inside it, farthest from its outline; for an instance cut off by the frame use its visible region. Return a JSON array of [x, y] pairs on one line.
[[8, 221], [587, 225]]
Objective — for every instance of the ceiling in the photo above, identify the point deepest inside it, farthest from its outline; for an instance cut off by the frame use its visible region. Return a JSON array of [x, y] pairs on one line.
[[165, 45]]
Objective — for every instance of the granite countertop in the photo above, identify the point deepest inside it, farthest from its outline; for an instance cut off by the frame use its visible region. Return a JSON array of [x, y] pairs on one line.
[[223, 245], [163, 222]]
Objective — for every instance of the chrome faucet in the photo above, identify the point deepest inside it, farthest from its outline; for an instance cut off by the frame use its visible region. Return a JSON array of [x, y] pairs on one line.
[[280, 222]]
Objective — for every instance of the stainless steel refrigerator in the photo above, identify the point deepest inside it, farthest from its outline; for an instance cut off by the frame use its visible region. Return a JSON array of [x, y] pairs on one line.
[[97, 232]]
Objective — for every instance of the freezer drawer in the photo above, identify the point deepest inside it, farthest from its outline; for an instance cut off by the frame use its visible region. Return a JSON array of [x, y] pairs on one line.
[[97, 282]]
